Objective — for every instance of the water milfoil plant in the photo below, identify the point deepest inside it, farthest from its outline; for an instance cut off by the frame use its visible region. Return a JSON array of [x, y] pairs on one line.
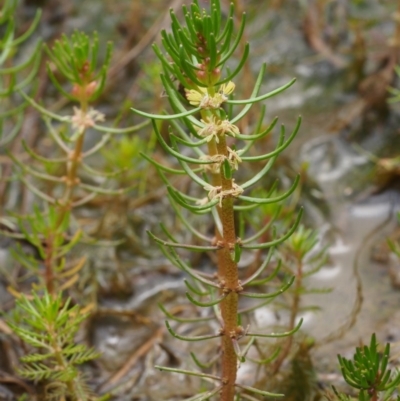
[[196, 54]]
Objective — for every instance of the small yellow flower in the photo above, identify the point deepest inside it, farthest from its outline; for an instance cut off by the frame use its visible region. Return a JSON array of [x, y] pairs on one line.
[[195, 97], [215, 127], [200, 96], [227, 89]]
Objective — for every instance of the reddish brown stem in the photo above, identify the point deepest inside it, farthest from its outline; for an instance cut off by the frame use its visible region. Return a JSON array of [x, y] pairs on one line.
[[228, 276]]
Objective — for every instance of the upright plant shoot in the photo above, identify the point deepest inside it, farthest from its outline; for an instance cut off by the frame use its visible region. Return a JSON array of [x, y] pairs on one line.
[[195, 55]]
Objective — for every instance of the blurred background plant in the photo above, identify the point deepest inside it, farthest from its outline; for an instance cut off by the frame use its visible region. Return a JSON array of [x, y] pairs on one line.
[[18, 69], [48, 229], [49, 324], [368, 374]]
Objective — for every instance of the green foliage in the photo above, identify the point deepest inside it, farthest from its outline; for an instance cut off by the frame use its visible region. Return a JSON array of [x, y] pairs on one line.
[[60, 184], [196, 54], [48, 235], [18, 68], [368, 372], [48, 230], [49, 324], [76, 58]]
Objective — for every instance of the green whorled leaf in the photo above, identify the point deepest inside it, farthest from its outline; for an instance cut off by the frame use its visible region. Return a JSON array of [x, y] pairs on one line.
[[30, 30], [260, 174], [179, 156], [216, 15], [126, 130], [83, 200], [212, 45], [205, 304], [188, 71], [101, 77], [68, 374], [279, 149], [32, 358], [183, 319], [385, 358], [14, 131], [13, 112], [170, 44], [275, 242], [269, 295], [7, 44], [167, 66], [196, 291], [265, 361], [168, 234], [17, 68], [191, 130], [188, 372], [192, 175], [166, 116], [98, 173], [190, 339], [180, 200], [36, 372], [204, 396], [32, 171], [32, 74], [106, 191], [195, 248], [227, 55], [29, 337], [189, 143], [265, 227], [261, 201], [250, 280], [57, 138], [278, 335], [239, 67], [58, 86], [202, 365], [82, 356], [255, 137], [28, 261], [252, 100], [254, 94], [224, 39], [186, 223], [162, 167], [173, 97], [45, 111], [257, 391], [178, 262], [172, 151], [42, 158]]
